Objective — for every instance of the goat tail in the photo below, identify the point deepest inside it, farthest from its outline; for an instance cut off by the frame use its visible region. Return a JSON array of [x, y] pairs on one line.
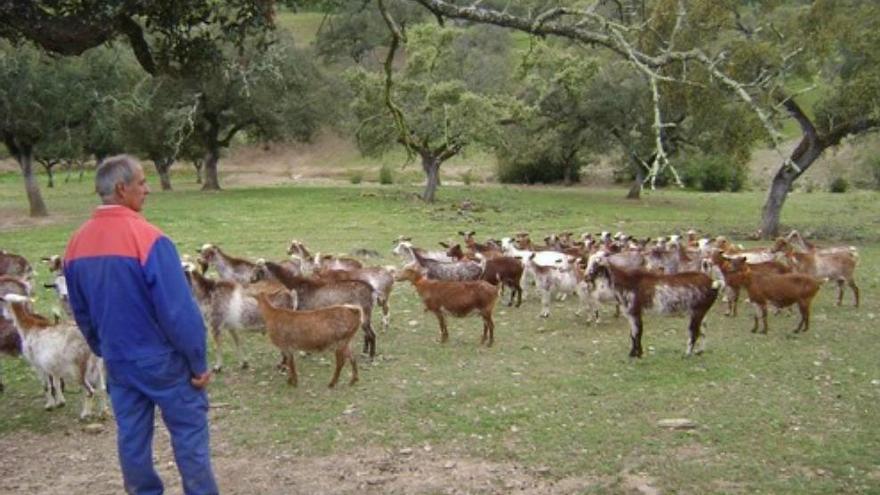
[[361, 316]]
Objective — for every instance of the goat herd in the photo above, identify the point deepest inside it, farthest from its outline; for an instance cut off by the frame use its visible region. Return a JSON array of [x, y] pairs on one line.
[[317, 302]]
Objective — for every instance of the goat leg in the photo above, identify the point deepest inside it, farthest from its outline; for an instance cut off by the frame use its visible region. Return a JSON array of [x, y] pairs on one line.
[[291, 368], [340, 361], [635, 322], [354, 367], [444, 334]]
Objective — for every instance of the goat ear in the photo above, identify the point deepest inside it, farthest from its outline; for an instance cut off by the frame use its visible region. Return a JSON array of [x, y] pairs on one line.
[[472, 233], [443, 244], [461, 233]]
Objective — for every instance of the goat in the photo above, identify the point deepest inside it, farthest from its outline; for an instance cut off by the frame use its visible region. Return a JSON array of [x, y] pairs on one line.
[[380, 279], [458, 298], [404, 247], [560, 279], [319, 261], [733, 270], [780, 291], [452, 270], [597, 291], [488, 250], [688, 292], [838, 264], [507, 271], [10, 341], [542, 258], [314, 294], [331, 327], [57, 351], [227, 304], [228, 267], [15, 265]]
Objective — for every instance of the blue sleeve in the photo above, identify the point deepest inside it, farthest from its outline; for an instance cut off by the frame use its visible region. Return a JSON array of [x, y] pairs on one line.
[[177, 313], [81, 311]]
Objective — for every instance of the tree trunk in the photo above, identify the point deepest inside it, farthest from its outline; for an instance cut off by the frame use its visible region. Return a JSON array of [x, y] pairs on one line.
[[808, 150], [431, 166], [162, 167], [199, 165], [211, 182], [51, 182], [803, 156], [635, 191], [25, 158]]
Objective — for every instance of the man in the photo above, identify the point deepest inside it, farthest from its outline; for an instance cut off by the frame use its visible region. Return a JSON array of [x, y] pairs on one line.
[[132, 303]]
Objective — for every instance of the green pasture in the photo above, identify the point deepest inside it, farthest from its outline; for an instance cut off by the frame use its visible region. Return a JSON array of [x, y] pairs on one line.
[[776, 413]]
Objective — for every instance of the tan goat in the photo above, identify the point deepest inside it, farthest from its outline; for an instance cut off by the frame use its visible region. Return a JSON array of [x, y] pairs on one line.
[[780, 290], [456, 298], [316, 330]]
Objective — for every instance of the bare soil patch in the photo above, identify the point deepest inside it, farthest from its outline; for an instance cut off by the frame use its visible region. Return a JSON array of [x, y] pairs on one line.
[[75, 462]]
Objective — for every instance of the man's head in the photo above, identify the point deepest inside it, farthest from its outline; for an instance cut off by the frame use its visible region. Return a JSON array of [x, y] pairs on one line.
[[120, 181]]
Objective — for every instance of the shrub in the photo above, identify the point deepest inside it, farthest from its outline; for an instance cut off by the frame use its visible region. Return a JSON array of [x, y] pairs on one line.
[[356, 177], [467, 177], [838, 185], [712, 173], [385, 175], [532, 170]]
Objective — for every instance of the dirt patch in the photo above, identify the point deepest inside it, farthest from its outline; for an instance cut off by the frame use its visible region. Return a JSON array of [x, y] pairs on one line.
[[75, 462]]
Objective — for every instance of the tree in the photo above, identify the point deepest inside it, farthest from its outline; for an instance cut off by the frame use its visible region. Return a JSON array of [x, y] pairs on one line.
[[38, 97], [745, 52], [355, 30], [166, 36], [272, 93], [157, 122], [841, 39], [441, 100]]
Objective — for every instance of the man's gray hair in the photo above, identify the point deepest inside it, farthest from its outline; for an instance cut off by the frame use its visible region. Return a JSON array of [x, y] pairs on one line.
[[111, 171]]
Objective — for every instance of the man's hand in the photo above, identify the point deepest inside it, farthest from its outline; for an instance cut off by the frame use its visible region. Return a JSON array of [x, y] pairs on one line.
[[202, 380]]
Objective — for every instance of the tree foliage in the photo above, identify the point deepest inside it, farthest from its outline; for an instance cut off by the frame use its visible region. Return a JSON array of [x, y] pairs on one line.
[[166, 36], [442, 101]]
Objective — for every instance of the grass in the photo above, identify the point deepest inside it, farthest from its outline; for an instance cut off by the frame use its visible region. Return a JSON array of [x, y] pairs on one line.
[[776, 413]]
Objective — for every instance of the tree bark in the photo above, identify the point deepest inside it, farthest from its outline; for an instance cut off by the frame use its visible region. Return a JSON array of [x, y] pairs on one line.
[[811, 147], [50, 183], [431, 166], [162, 168], [635, 190], [211, 180], [199, 165], [24, 155]]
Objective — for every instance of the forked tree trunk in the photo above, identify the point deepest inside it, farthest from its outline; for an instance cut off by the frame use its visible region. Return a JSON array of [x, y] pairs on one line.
[[50, 166], [804, 155], [199, 166], [635, 190], [431, 166], [211, 179], [163, 165], [24, 155]]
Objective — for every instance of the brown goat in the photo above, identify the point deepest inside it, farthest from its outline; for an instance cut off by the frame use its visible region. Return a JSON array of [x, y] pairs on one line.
[[836, 263], [458, 298], [781, 291], [314, 294], [735, 276], [692, 293], [315, 330]]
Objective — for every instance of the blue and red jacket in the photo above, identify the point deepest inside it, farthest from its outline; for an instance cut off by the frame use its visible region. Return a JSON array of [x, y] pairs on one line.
[[128, 292]]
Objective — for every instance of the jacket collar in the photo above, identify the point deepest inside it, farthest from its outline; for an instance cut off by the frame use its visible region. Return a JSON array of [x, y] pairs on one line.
[[104, 211]]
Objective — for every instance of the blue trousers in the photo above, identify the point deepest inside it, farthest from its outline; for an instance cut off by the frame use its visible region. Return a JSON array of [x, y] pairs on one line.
[[136, 388]]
